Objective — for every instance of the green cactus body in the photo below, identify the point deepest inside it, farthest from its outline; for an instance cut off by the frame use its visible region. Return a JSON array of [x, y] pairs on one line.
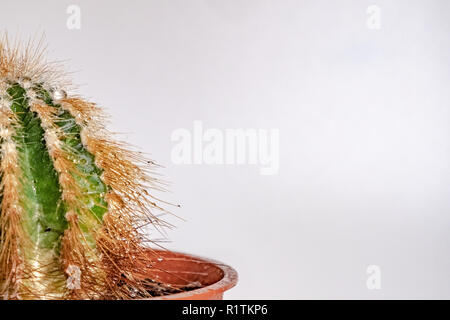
[[71, 198], [40, 196]]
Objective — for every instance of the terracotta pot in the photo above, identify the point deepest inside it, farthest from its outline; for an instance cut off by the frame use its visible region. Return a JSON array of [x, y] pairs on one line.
[[181, 270]]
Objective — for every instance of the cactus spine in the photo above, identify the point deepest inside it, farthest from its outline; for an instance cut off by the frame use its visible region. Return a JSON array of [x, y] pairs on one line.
[[72, 199]]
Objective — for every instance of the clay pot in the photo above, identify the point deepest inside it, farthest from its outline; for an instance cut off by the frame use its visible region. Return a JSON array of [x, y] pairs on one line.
[[182, 270]]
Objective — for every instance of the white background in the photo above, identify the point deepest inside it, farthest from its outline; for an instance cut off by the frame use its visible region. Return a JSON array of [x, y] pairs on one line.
[[364, 120]]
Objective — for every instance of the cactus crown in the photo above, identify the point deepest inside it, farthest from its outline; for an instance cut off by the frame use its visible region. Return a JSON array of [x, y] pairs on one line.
[[72, 199]]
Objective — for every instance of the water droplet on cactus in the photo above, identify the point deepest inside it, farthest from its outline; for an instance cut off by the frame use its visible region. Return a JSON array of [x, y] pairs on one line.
[[4, 103], [31, 94], [58, 95], [25, 82]]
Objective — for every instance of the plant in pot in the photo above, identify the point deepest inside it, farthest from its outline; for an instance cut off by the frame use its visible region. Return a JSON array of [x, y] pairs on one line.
[[73, 200]]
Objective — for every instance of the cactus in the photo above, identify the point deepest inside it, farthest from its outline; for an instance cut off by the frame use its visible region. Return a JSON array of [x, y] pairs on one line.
[[72, 198]]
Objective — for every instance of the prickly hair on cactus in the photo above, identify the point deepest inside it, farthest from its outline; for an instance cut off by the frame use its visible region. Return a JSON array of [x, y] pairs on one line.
[[72, 199]]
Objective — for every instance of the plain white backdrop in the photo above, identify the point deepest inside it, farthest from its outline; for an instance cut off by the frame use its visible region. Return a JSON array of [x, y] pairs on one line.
[[363, 116]]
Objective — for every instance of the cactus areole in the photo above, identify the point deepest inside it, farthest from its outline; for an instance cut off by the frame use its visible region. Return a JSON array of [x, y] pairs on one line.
[[72, 199]]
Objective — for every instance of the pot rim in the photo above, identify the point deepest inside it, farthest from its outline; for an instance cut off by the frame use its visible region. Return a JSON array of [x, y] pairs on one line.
[[228, 281]]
